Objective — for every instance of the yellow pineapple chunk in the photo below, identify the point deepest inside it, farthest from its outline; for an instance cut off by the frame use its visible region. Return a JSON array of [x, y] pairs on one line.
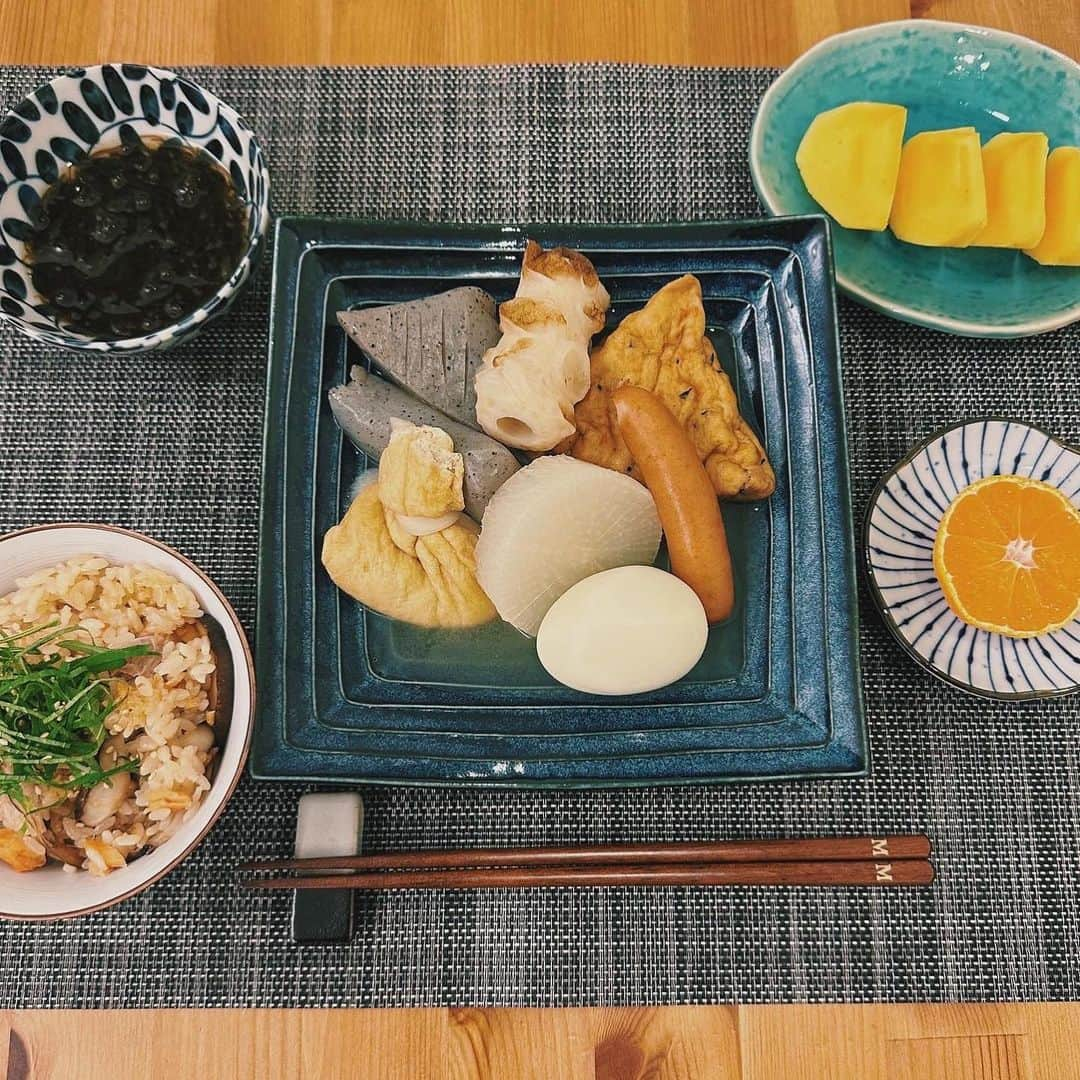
[[940, 193], [1014, 164], [849, 158], [1060, 244]]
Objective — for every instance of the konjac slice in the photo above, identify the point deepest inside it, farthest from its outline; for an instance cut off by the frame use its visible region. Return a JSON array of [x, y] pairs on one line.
[[1060, 243], [849, 159], [940, 192], [1014, 167]]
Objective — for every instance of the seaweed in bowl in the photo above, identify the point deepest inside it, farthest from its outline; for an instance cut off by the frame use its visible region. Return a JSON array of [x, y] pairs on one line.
[[132, 239], [85, 117]]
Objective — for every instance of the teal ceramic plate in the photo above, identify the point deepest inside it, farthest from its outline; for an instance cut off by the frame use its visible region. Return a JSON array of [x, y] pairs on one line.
[[947, 75], [346, 694]]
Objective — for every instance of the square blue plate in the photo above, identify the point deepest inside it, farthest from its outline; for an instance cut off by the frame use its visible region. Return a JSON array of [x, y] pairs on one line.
[[348, 695]]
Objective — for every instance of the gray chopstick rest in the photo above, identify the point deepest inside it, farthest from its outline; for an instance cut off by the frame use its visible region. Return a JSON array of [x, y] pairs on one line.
[[326, 824]]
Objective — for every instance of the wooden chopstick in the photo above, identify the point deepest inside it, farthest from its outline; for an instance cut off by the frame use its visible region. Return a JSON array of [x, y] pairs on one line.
[[818, 849], [826, 872]]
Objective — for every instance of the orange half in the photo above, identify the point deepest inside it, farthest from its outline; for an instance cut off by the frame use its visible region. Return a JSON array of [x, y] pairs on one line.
[[1007, 555]]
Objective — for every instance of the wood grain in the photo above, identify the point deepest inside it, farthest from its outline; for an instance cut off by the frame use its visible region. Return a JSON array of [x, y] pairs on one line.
[[479, 31], [1056, 24], [914, 1042], [862, 1042], [959, 1042], [865, 874], [808, 849]]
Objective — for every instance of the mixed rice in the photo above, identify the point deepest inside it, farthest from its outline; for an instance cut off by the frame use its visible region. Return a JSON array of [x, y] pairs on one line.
[[162, 717]]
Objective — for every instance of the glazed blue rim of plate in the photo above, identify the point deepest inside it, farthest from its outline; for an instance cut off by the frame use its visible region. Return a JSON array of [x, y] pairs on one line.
[[847, 284], [310, 234], [886, 609], [759, 697], [782, 248]]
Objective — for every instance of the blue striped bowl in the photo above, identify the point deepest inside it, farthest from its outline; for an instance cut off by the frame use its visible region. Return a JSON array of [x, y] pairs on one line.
[[901, 524]]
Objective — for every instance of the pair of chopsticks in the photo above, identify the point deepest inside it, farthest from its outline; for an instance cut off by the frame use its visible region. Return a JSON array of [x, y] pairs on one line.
[[854, 860]]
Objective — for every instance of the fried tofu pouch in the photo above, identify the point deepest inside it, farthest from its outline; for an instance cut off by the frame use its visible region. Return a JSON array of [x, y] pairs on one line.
[[376, 555], [663, 348], [420, 475]]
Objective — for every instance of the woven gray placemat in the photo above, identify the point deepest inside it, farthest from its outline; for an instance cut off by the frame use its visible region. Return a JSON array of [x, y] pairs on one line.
[[171, 445]]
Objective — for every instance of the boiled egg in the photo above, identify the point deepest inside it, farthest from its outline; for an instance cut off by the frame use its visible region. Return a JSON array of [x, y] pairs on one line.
[[623, 631]]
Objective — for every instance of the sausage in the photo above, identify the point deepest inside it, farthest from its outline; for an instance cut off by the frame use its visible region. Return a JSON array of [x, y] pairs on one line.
[[684, 495]]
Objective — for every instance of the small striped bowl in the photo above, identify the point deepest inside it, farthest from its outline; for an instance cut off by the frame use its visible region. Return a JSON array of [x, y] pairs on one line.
[[901, 524]]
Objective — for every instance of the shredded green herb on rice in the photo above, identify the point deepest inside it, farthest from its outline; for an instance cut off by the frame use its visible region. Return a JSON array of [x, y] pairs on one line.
[[53, 711], [107, 742]]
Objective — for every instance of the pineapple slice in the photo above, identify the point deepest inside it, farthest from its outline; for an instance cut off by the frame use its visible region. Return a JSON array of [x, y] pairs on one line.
[[849, 159], [940, 192], [1060, 244], [1014, 164]]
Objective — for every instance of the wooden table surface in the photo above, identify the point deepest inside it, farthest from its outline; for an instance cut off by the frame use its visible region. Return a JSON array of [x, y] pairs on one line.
[[478, 31], [955, 1042], [763, 1042]]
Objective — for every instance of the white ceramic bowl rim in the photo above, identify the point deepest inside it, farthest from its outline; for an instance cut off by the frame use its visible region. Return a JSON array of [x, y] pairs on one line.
[[849, 285], [258, 208], [52, 893]]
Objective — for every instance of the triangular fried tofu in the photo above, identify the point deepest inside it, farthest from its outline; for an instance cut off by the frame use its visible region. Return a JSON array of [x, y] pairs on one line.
[[663, 348]]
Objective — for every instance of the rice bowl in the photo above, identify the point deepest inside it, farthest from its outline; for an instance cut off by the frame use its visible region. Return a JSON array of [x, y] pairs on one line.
[[129, 592]]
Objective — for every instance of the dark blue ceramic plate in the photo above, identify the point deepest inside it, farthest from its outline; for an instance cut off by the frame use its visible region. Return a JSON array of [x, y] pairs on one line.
[[348, 695]]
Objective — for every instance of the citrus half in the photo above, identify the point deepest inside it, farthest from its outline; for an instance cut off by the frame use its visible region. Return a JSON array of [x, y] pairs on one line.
[[1007, 555]]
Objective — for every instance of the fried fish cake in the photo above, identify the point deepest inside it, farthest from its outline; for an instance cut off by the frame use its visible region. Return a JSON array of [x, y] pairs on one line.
[[663, 348]]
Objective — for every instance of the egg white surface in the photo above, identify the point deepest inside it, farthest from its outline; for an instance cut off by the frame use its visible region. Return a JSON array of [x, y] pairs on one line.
[[623, 631]]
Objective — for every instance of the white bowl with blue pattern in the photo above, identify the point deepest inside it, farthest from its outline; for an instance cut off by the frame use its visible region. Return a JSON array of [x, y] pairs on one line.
[[901, 525], [98, 108]]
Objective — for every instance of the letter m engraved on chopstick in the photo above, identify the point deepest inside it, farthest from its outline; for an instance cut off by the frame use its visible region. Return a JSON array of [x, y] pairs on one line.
[[879, 847], [883, 871]]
